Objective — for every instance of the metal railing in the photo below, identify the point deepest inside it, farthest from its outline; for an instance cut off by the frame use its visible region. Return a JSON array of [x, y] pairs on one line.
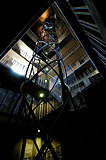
[[91, 28], [10, 103], [44, 109], [48, 155], [7, 101]]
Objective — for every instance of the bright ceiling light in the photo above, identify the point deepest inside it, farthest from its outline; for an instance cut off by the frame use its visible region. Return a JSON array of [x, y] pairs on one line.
[[46, 68], [41, 95], [46, 80], [38, 130]]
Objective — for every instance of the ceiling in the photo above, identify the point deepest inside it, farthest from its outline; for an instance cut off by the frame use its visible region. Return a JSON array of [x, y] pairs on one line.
[[16, 16], [66, 39], [70, 48]]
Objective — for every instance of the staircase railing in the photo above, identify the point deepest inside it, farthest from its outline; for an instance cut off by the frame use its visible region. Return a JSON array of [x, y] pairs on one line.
[[91, 29]]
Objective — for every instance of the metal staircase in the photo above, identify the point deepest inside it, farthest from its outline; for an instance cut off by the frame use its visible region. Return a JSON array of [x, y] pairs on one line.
[[89, 24], [95, 47]]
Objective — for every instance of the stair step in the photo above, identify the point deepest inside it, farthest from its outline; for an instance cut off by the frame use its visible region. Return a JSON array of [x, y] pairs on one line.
[[80, 8], [88, 23], [83, 13], [95, 38]]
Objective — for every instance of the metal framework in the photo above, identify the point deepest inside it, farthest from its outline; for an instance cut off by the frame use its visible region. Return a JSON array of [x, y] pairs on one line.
[[47, 42], [89, 31]]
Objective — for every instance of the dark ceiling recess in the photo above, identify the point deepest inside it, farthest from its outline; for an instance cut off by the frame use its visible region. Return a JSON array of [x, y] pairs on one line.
[[16, 19]]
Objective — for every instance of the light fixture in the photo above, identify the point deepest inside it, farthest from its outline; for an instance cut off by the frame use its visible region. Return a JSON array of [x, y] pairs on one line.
[[46, 80], [46, 53], [41, 95], [38, 130], [46, 68]]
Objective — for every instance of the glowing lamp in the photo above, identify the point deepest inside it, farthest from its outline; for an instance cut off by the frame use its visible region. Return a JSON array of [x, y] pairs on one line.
[[47, 69], [41, 95]]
